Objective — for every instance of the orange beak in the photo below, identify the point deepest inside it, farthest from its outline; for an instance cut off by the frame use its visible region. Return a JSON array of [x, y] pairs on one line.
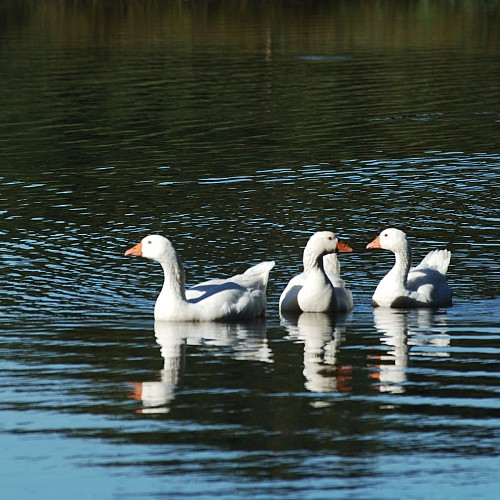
[[136, 250], [343, 247], [374, 244]]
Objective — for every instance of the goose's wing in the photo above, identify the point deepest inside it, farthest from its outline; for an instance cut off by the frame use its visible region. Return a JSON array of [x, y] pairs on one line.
[[427, 282], [438, 260], [331, 265], [254, 277], [288, 299], [343, 295]]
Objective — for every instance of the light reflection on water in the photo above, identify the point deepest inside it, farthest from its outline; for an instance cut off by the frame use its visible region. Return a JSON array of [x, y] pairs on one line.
[[242, 400], [238, 147], [438, 201], [292, 392], [322, 336], [242, 342]]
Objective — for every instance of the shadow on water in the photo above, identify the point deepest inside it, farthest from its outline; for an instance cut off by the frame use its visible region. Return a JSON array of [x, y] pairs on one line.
[[403, 332], [322, 335], [264, 400], [239, 341]]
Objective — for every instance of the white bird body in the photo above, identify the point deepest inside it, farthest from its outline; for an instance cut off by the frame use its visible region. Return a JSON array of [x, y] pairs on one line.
[[313, 290], [405, 287], [343, 296], [241, 297]]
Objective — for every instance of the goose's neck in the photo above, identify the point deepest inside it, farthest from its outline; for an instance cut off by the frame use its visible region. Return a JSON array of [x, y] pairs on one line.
[[401, 267], [317, 293], [173, 283], [313, 262]]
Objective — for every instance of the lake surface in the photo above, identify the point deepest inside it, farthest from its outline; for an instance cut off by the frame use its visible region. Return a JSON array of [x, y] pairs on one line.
[[237, 129]]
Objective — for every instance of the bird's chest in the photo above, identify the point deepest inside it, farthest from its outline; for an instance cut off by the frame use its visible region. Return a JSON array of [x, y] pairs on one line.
[[317, 295]]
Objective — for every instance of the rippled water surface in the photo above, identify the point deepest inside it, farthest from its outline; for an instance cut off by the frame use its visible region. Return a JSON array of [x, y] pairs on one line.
[[237, 130]]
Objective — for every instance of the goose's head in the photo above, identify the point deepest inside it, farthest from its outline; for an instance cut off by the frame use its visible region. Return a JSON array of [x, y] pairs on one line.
[[154, 247], [325, 242], [390, 239]]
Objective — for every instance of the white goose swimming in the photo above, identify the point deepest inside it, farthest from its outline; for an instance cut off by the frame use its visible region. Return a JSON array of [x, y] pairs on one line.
[[240, 297], [406, 287], [319, 287]]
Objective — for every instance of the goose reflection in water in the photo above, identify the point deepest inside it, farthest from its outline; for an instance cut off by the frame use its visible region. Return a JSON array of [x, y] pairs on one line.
[[419, 332], [241, 341], [321, 334]]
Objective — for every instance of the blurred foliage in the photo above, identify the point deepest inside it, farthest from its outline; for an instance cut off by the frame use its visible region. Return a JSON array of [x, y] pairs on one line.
[[251, 23]]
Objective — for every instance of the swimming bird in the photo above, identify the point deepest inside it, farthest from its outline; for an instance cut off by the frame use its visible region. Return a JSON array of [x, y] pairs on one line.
[[240, 297], [319, 287], [406, 287]]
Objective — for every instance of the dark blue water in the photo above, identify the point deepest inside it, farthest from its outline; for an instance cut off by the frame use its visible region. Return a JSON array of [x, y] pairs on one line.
[[237, 131]]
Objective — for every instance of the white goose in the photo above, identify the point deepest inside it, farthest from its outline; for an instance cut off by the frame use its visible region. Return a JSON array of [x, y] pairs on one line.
[[406, 287], [319, 287], [241, 297], [331, 264]]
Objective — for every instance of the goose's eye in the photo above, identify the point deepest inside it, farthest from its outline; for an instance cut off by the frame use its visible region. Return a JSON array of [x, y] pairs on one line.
[[149, 242], [330, 238]]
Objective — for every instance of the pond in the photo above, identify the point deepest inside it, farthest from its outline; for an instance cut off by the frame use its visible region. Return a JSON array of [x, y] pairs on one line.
[[237, 130]]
